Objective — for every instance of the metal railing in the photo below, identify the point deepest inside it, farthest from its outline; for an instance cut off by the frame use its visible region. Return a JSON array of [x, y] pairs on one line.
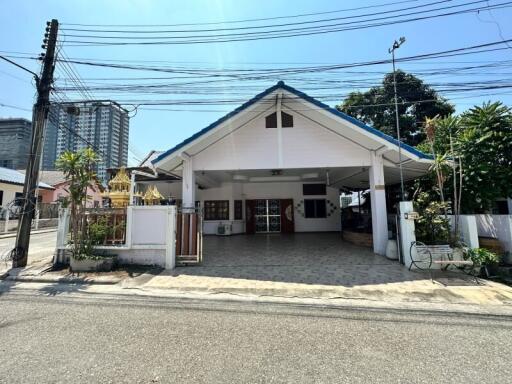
[[114, 219]]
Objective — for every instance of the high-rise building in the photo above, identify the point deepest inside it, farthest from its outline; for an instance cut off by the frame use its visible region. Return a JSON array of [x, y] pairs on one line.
[[104, 126], [15, 134]]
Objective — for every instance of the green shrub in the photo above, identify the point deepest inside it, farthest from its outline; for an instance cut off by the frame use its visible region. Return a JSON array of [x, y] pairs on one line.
[[98, 231], [433, 227], [481, 257]]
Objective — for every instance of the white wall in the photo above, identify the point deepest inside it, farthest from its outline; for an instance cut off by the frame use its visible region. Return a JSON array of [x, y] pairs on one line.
[[468, 229], [289, 190], [306, 145], [498, 227], [150, 237], [9, 192], [249, 191]]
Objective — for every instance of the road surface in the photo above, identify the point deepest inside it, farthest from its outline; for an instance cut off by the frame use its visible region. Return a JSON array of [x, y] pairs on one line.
[[42, 246], [61, 337]]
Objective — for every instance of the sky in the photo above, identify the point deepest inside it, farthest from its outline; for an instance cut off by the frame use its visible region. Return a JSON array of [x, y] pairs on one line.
[[160, 127]]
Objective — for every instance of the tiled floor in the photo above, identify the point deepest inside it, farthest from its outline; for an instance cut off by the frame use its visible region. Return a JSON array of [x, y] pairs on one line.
[[304, 258], [318, 265]]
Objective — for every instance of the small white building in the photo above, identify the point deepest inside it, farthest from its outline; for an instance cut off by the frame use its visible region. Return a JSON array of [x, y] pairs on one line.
[[11, 189], [277, 164]]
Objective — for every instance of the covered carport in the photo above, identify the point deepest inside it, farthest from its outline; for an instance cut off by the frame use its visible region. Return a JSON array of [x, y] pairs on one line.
[[273, 147]]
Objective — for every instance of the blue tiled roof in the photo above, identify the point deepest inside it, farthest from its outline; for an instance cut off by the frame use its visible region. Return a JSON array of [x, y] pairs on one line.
[[308, 98], [12, 176]]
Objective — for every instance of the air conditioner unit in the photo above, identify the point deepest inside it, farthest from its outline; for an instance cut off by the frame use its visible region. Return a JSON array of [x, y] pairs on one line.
[[224, 229]]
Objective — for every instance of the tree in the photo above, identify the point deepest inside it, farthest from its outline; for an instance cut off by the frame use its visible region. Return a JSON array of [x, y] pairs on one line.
[[78, 168], [484, 144], [481, 150], [416, 101]]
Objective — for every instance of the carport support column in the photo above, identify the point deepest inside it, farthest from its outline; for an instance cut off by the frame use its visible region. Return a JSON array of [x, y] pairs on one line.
[[188, 183], [378, 204]]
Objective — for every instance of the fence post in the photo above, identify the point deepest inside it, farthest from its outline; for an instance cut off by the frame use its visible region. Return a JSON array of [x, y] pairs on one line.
[[6, 228], [62, 227], [128, 228], [36, 225], [170, 238], [469, 230], [407, 232]]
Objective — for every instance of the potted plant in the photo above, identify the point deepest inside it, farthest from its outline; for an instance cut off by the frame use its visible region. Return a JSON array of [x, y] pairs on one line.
[[484, 261], [78, 168]]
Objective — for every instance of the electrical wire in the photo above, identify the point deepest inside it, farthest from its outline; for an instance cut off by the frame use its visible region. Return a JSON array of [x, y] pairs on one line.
[[292, 32]]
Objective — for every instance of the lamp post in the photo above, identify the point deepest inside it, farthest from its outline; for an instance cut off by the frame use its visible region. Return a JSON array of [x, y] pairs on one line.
[[391, 50]]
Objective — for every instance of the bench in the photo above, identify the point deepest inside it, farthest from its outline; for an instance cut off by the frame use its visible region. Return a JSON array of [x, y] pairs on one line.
[[426, 255]]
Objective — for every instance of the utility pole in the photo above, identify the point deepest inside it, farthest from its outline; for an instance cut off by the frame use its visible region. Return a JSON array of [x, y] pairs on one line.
[[391, 50], [39, 116]]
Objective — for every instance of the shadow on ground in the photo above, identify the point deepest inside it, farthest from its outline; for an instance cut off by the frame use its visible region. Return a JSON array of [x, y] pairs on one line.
[[305, 258]]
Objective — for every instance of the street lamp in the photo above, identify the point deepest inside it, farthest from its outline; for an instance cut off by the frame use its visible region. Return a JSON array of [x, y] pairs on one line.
[[391, 50]]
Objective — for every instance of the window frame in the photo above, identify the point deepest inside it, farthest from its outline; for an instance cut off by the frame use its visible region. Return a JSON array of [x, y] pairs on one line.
[[314, 189], [317, 214], [216, 210], [238, 207], [286, 118]]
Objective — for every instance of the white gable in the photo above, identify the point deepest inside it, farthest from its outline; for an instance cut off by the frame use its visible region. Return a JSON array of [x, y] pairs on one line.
[[305, 145], [320, 138]]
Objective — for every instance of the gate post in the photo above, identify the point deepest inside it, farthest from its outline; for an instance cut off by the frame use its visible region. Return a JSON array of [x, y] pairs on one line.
[[407, 232], [170, 238]]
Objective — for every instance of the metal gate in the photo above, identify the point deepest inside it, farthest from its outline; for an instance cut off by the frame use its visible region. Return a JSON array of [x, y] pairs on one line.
[[189, 237]]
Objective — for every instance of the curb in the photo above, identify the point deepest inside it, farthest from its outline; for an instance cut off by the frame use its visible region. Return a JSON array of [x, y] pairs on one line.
[[60, 280], [411, 297], [14, 234]]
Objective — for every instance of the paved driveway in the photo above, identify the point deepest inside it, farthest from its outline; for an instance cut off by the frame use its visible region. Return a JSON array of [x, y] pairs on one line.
[[305, 258], [318, 265]]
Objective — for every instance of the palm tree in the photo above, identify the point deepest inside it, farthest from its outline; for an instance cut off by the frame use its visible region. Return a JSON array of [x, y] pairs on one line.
[[78, 168]]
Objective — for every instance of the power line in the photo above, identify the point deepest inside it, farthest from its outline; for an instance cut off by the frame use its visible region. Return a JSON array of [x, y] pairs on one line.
[[292, 32], [445, 53], [245, 20], [268, 25], [15, 107]]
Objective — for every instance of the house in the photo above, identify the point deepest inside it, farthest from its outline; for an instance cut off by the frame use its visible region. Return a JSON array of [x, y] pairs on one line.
[[277, 164], [11, 189], [57, 180]]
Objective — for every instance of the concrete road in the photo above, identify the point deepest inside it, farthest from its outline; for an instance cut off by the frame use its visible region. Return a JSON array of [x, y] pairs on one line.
[[42, 245], [65, 337]]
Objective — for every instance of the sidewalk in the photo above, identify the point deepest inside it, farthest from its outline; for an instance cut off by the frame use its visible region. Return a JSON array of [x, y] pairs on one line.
[[448, 291], [34, 232]]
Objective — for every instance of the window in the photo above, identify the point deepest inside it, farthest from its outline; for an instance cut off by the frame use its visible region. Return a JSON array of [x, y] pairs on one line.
[[315, 208], [18, 199], [286, 120], [1, 197], [6, 163], [238, 210], [313, 189], [216, 210]]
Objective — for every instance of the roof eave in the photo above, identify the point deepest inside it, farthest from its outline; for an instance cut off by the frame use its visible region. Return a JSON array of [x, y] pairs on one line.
[[390, 141]]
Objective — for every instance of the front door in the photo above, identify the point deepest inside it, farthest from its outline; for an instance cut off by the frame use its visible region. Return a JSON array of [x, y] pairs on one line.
[[267, 215], [249, 216], [287, 222]]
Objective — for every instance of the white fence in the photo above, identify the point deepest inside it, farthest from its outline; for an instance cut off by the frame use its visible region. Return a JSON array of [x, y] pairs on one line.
[[498, 227], [150, 237]]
